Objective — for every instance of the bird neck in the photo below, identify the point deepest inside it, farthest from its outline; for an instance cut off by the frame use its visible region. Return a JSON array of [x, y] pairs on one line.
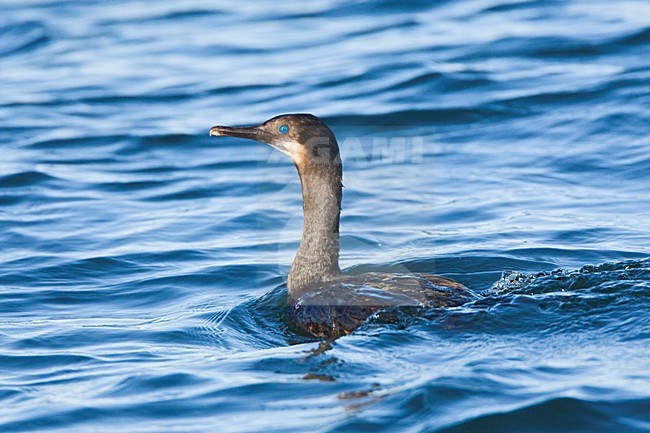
[[317, 259]]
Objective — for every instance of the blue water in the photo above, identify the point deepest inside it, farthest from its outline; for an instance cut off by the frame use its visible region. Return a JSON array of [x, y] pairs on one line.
[[504, 144]]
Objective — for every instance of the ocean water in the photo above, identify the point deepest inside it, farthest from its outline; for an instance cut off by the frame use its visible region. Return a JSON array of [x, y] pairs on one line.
[[504, 144]]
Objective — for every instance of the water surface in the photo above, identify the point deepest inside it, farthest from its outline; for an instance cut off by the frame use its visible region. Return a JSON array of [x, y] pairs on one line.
[[503, 144]]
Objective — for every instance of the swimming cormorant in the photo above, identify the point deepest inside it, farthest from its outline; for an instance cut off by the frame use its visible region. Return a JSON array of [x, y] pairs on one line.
[[322, 300]]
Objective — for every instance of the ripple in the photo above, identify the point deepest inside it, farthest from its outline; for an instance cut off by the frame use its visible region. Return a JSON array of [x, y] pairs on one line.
[[24, 37], [563, 414], [143, 265], [26, 178], [440, 116]]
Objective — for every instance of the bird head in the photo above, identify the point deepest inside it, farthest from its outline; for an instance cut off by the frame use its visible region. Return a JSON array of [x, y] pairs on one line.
[[304, 138]]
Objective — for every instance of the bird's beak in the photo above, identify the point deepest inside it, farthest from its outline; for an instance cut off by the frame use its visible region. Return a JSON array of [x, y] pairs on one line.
[[250, 133], [256, 133]]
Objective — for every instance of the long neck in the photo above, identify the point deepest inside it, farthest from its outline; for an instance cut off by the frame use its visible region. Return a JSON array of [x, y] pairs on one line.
[[317, 259]]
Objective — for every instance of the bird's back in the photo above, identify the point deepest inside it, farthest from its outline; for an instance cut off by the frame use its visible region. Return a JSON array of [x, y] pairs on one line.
[[342, 305]]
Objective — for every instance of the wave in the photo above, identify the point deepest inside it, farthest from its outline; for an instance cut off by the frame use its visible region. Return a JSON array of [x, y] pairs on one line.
[[24, 37], [561, 414], [25, 178], [589, 276], [436, 116]]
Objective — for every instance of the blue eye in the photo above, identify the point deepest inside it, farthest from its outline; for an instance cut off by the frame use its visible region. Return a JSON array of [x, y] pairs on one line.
[[283, 129]]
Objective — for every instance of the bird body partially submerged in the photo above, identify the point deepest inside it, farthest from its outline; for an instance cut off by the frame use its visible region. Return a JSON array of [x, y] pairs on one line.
[[340, 306], [322, 300]]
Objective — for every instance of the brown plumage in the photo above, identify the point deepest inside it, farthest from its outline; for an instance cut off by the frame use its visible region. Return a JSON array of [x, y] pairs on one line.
[[322, 300], [342, 305]]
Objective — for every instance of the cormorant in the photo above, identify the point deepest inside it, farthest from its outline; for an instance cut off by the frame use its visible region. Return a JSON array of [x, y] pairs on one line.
[[322, 300]]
